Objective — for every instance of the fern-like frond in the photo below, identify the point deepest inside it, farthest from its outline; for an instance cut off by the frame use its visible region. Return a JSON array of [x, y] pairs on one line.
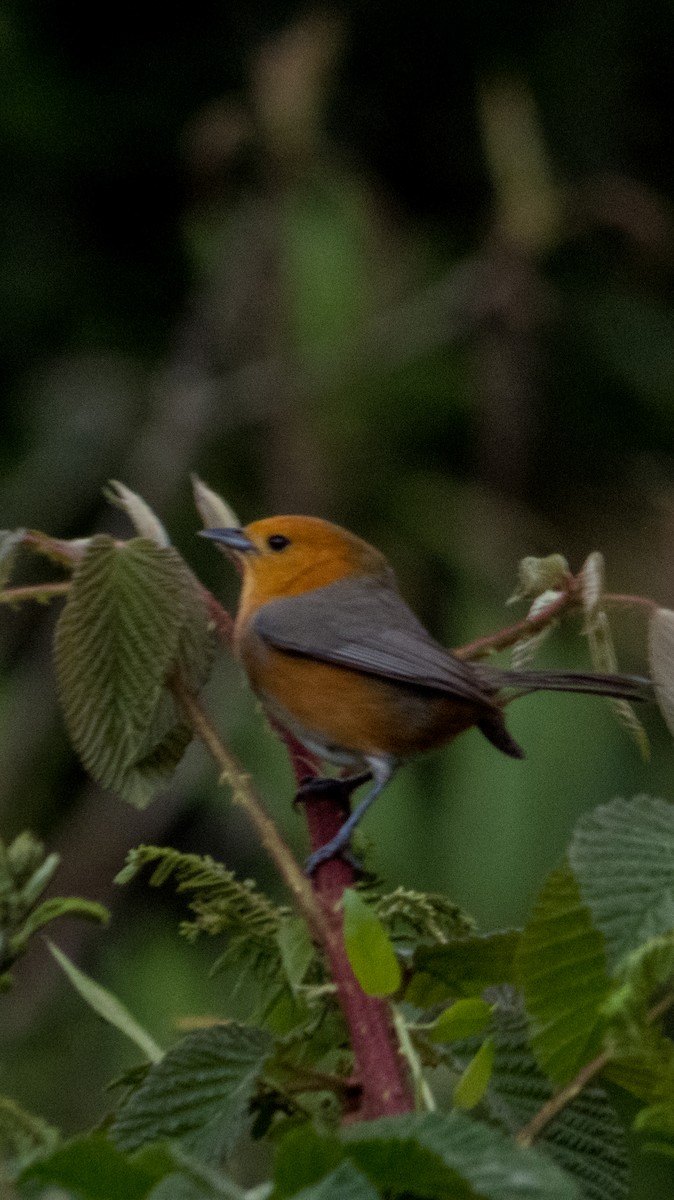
[[220, 902], [422, 915]]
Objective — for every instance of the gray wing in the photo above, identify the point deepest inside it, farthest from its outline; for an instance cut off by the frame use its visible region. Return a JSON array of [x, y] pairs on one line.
[[366, 626]]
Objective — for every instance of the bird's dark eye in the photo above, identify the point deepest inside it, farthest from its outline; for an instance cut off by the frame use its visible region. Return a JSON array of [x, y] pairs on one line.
[[277, 541]]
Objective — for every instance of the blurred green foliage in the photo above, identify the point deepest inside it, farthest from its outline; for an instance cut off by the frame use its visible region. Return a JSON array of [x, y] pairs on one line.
[[407, 267]]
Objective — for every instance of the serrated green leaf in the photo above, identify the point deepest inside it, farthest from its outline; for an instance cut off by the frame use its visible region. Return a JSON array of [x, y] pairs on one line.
[[107, 1006], [369, 948], [199, 1093], [622, 855], [344, 1183], [474, 1080], [484, 1159], [642, 1057], [661, 661], [92, 1168], [23, 1136], [561, 965], [461, 1020], [463, 967], [296, 949], [133, 617], [585, 1139]]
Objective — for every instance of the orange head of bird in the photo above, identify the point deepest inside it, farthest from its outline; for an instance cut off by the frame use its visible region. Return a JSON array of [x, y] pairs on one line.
[[286, 556]]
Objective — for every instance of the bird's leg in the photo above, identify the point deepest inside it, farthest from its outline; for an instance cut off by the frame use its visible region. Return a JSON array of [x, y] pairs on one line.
[[338, 845], [326, 785]]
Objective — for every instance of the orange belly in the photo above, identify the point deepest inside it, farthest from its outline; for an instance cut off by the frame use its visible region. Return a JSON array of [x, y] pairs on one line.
[[343, 710]]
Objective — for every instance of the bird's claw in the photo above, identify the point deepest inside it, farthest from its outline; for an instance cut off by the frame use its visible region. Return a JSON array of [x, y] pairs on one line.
[[329, 851]]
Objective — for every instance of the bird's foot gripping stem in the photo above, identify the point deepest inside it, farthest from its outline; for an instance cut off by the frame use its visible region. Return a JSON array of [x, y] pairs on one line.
[[338, 845]]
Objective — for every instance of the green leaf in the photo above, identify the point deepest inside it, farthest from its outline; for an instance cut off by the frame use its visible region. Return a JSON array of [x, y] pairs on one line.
[[657, 1118], [107, 1006], [585, 1139], [485, 1159], [51, 910], [297, 950], [622, 855], [642, 1057], [344, 1183], [461, 1020], [23, 1137], [561, 964], [462, 967], [449, 1157], [199, 1093], [134, 615], [369, 948], [94, 1169], [475, 1078]]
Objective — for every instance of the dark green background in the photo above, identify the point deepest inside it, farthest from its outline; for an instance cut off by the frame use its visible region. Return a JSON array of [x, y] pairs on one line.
[[408, 267]]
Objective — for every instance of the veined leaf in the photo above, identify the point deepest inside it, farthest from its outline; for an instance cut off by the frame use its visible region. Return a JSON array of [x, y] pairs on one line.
[[199, 1093], [132, 618], [462, 967], [622, 855], [484, 1159], [369, 948], [586, 1139], [107, 1006], [346, 1182], [561, 964]]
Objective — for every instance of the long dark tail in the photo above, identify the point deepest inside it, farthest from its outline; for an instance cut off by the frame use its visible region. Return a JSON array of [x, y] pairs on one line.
[[620, 687]]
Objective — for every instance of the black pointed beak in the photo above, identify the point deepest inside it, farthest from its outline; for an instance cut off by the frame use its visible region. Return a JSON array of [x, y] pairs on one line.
[[231, 539]]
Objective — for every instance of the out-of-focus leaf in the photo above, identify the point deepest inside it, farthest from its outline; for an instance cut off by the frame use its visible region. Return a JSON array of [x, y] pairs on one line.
[[23, 1137], [474, 1081], [213, 510], [462, 967], [461, 1020], [661, 661], [108, 1006], [369, 948], [10, 540], [538, 575], [92, 1168], [145, 522]]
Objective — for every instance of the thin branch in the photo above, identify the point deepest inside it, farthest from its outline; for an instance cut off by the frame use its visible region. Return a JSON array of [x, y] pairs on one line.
[[42, 592], [244, 795], [378, 1064], [533, 1129], [504, 638]]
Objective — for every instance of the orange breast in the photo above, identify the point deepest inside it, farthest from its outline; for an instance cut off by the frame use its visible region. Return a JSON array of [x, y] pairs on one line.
[[345, 710]]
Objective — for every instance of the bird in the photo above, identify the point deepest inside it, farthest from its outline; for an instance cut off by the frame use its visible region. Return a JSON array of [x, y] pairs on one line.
[[336, 657]]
